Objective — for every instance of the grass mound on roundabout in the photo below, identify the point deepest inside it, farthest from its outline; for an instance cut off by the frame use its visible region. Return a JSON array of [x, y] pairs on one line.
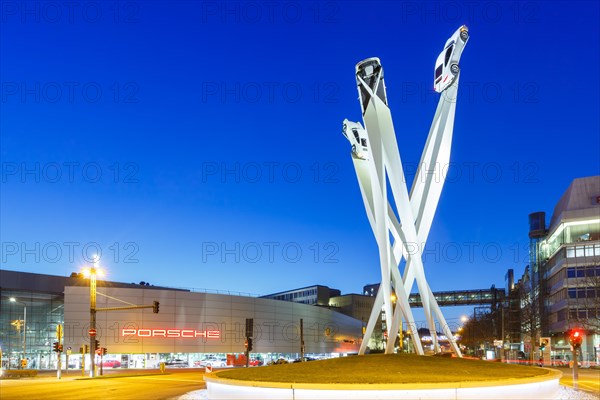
[[385, 368]]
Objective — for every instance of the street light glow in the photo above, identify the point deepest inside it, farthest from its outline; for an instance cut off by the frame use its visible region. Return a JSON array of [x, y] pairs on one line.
[[86, 272], [12, 299]]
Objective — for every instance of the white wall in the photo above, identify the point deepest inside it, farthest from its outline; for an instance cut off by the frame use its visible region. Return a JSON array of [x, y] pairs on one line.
[[276, 323]]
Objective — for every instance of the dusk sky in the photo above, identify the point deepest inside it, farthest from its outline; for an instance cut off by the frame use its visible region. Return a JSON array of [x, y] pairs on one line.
[[198, 144]]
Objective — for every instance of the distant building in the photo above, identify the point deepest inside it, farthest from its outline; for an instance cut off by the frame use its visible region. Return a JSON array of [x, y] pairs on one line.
[[371, 290], [512, 313], [317, 295], [561, 286], [355, 305]]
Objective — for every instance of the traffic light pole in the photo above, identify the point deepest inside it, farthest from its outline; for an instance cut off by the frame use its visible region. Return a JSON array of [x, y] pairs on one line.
[[59, 335], [301, 340], [93, 324], [248, 341], [92, 331], [575, 369]]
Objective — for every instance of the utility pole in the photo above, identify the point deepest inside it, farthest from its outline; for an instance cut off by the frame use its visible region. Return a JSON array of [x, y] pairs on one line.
[[503, 355], [301, 339], [92, 273], [93, 322], [248, 342], [59, 335]]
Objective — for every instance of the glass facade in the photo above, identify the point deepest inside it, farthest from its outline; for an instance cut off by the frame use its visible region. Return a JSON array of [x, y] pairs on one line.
[[36, 316], [573, 232]]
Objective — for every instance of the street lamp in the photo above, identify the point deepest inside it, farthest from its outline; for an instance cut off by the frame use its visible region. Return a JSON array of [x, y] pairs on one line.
[[13, 300], [91, 273]]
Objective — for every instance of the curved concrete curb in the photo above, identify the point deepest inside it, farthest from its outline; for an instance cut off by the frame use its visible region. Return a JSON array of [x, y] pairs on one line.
[[539, 387]]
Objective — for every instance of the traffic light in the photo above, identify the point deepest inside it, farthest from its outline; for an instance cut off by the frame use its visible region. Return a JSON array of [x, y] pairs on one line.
[[99, 352], [576, 337], [543, 343], [104, 351], [155, 307], [249, 345], [55, 347], [249, 327], [60, 348], [96, 344]]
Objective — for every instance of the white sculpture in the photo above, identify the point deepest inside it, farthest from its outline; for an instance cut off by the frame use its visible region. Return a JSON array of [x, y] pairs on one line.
[[377, 162]]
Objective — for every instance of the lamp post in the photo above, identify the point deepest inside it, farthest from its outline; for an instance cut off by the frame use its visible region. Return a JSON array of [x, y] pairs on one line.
[[91, 273], [13, 300]]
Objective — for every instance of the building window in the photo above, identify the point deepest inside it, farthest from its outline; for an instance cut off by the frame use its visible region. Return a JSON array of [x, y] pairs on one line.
[[589, 251]]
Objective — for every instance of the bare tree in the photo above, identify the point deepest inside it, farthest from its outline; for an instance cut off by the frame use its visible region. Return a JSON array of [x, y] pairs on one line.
[[479, 329], [531, 309]]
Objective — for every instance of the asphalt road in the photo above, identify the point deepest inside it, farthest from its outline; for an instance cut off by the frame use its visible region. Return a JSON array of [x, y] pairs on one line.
[[172, 384], [119, 385], [589, 379]]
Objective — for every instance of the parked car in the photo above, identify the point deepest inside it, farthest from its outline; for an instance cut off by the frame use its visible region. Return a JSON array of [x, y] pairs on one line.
[[176, 363], [559, 361], [279, 361], [256, 362], [297, 360], [214, 362], [111, 364]]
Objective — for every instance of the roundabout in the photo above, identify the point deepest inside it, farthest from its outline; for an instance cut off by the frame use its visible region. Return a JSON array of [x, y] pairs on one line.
[[392, 376]]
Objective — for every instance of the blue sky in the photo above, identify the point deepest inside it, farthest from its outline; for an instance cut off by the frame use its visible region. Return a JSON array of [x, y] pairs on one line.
[[198, 144]]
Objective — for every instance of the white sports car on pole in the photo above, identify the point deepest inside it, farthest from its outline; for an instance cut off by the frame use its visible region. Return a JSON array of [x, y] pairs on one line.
[[447, 64], [356, 135]]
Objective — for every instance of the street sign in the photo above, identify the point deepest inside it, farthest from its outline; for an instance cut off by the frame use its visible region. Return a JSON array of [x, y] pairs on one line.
[[92, 332]]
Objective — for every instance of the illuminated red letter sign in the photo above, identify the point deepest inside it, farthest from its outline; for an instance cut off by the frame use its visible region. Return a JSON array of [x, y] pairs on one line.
[[170, 333]]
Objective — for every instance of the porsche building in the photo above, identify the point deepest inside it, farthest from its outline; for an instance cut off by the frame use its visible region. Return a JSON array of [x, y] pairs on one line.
[[190, 327]]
